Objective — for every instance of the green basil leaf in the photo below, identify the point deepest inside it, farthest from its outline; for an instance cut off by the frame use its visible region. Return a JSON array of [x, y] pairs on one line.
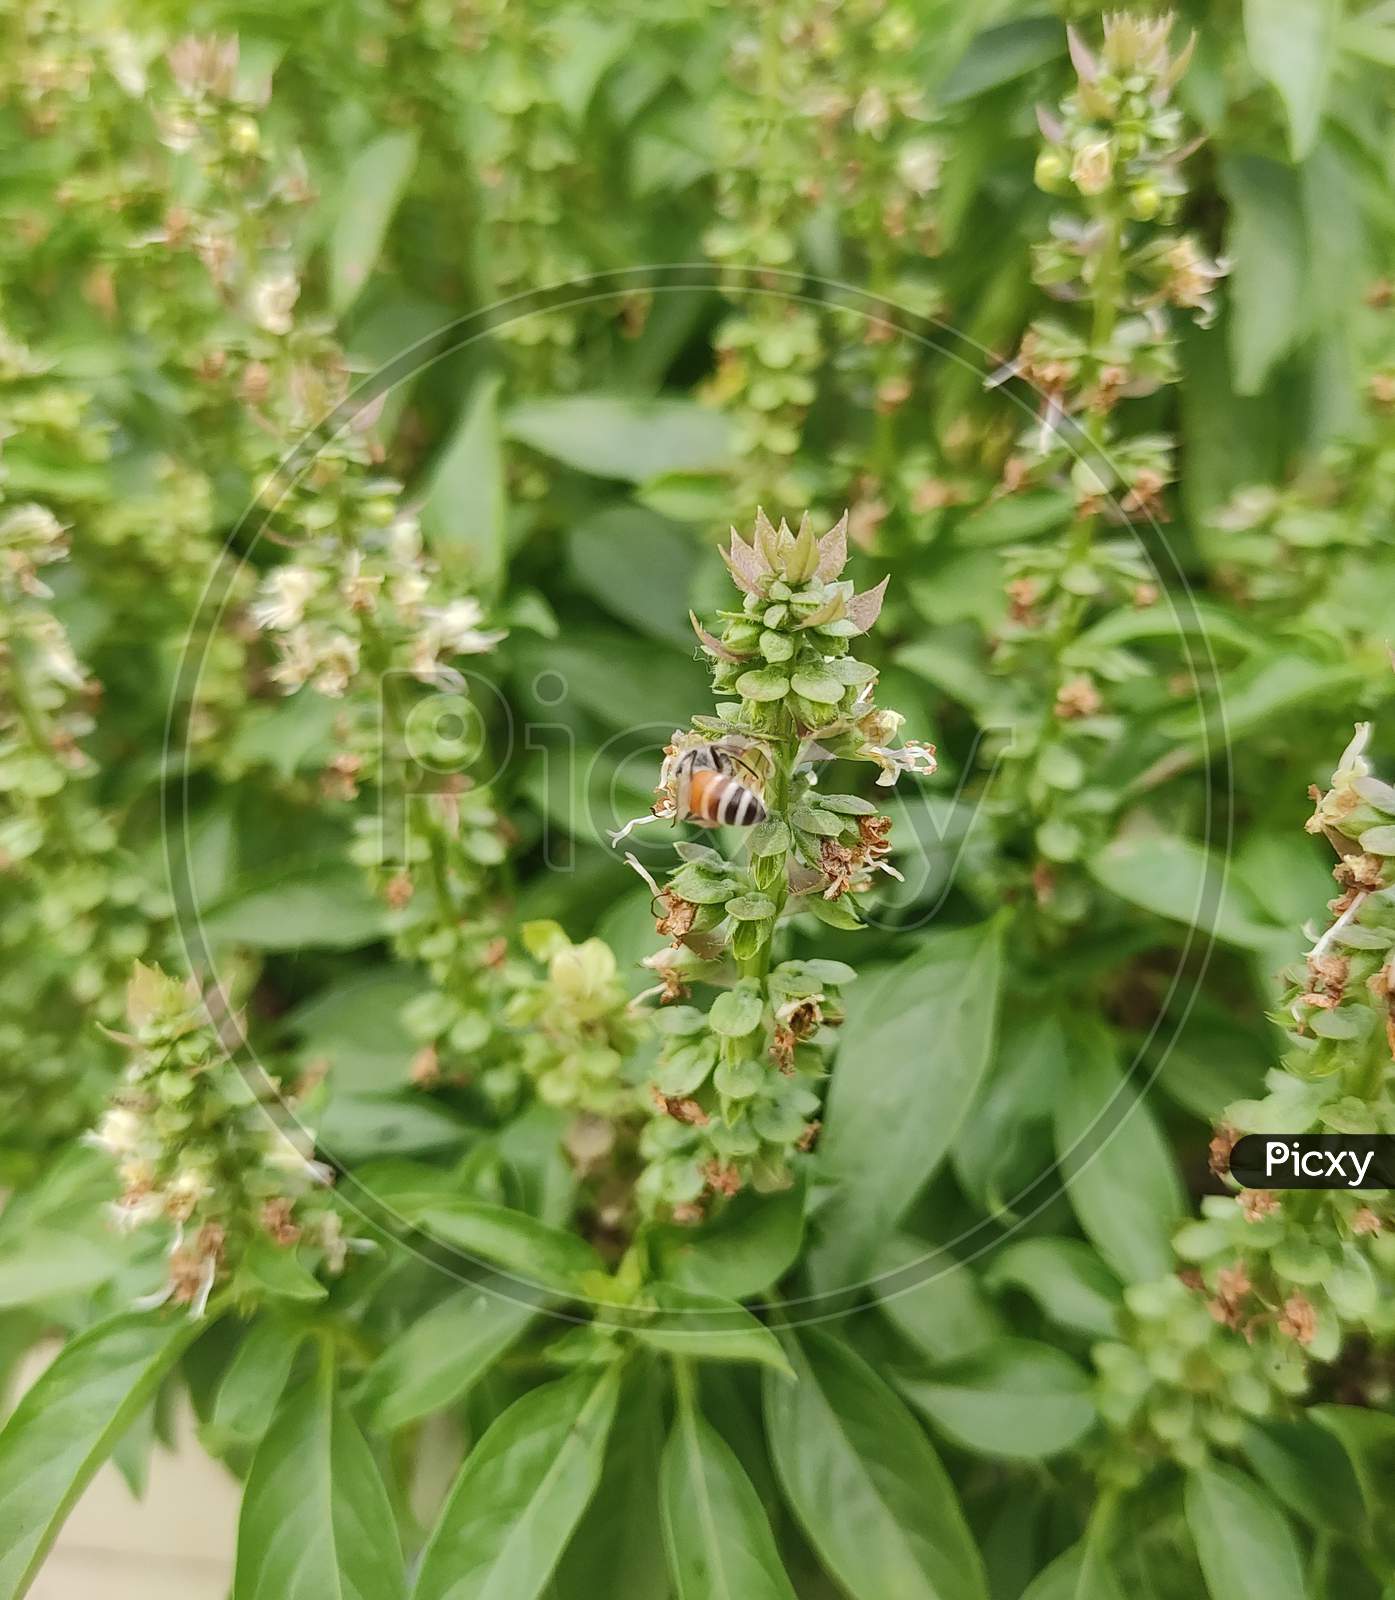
[[1068, 1578], [515, 1241], [864, 1482], [273, 1269], [374, 1127], [470, 470], [1018, 1400], [945, 1315], [747, 938], [1293, 43], [684, 1069], [1266, 243], [745, 1249], [841, 913], [997, 56], [40, 1264], [316, 1523], [685, 496], [1178, 879], [618, 1549], [67, 1425], [810, 819], [1256, 693], [846, 805], [821, 687], [521, 1492], [325, 907], [770, 838], [1067, 1280], [1368, 1437], [701, 886], [639, 567], [73, 1185], [617, 436], [849, 671], [1305, 1466], [688, 1322], [247, 1395], [1015, 518], [719, 1543], [1244, 1541], [740, 1079], [679, 1020], [372, 188], [834, 972], [890, 1122], [437, 1358], [1120, 1176], [1169, 622]]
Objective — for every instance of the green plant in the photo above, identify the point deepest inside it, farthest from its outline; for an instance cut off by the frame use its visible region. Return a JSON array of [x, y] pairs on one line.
[[734, 1086]]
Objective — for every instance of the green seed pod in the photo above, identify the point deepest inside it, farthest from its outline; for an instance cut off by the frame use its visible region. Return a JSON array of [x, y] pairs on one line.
[[1050, 171]]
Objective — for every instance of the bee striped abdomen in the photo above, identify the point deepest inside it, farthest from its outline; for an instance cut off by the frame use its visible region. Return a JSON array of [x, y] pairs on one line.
[[741, 807], [715, 797]]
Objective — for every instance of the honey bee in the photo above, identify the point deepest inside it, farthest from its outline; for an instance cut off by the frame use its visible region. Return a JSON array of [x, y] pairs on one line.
[[709, 792]]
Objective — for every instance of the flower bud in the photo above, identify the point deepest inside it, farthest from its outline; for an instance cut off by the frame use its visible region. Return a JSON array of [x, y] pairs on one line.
[[244, 136], [1145, 202], [1050, 171], [1093, 167]]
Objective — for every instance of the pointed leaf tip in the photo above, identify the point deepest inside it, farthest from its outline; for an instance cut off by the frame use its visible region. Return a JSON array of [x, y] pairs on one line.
[[1050, 125], [1081, 57], [833, 550], [766, 540], [865, 608], [743, 563], [1180, 62], [802, 554], [711, 644]]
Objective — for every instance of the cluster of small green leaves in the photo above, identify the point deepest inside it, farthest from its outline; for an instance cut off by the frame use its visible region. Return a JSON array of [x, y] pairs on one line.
[[735, 1084], [1115, 147], [163, 159], [80, 909], [577, 1030], [1273, 1282], [879, 141], [367, 620], [202, 1155], [188, 220], [1298, 553], [770, 350], [361, 613], [532, 180], [822, 108]]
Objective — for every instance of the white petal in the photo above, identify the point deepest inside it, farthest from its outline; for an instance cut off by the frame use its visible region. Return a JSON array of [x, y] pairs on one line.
[[633, 861], [634, 822]]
